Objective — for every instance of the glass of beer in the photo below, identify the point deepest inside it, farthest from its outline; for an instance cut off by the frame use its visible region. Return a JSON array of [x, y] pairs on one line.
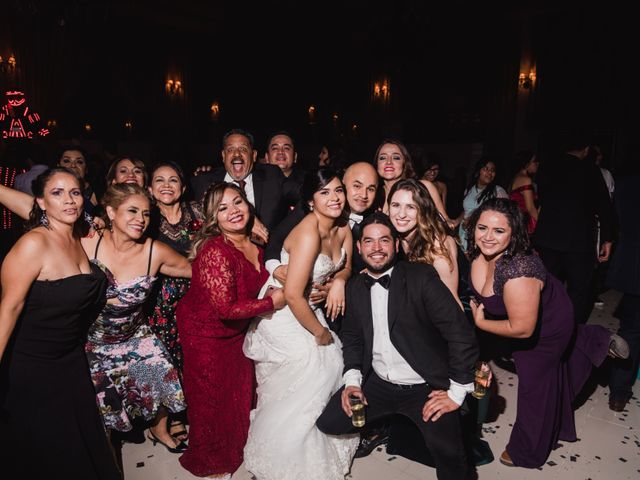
[[481, 381], [357, 411]]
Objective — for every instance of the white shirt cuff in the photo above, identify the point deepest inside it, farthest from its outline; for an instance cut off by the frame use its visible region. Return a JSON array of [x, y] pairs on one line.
[[271, 265], [352, 378], [457, 391]]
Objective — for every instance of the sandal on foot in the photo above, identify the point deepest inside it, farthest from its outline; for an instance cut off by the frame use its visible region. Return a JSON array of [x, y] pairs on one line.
[[505, 459], [182, 434]]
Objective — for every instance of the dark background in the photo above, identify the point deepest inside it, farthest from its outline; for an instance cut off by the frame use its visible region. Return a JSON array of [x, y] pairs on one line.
[[453, 71]]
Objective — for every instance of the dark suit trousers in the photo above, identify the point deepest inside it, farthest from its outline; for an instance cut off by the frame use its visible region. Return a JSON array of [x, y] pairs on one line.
[[577, 269], [443, 437]]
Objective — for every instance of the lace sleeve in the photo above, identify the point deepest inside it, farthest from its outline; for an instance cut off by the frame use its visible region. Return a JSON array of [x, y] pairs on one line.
[[218, 273], [530, 266]]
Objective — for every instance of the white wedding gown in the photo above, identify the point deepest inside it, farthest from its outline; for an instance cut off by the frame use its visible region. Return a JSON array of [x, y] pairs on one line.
[[296, 378]]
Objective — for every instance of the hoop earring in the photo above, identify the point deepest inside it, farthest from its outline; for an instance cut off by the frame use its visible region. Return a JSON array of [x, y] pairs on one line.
[[44, 220]]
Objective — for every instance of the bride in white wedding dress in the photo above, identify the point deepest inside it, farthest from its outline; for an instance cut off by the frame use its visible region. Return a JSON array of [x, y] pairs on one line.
[[298, 359]]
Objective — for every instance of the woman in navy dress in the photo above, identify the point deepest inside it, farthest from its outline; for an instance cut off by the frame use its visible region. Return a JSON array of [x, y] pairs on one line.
[[553, 359]]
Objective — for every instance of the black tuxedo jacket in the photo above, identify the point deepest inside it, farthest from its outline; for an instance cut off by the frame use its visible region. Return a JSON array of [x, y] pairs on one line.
[[274, 193], [426, 326]]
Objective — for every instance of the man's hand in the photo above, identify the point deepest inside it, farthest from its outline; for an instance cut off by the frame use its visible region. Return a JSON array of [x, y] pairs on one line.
[[260, 231], [202, 169], [605, 252], [438, 404], [356, 392]]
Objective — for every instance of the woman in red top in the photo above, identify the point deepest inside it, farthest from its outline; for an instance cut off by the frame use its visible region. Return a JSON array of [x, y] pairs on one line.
[[522, 189], [213, 317]]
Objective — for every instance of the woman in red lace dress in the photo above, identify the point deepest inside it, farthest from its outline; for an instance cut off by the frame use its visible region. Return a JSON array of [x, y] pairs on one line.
[[213, 317], [523, 190]]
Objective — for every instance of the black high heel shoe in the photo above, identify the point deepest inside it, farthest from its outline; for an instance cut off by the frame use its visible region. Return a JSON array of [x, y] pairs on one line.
[[180, 448]]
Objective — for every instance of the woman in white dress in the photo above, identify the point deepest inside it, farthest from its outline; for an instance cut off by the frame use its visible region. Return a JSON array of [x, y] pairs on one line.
[[298, 359]]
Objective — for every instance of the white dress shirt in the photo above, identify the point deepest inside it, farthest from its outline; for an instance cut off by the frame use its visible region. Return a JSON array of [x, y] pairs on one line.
[[354, 218], [248, 188], [387, 362]]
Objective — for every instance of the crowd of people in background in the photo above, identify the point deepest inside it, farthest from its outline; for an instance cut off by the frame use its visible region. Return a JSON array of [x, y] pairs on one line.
[[253, 296]]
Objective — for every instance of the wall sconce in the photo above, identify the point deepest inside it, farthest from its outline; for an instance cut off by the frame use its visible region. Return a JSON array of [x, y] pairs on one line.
[[173, 87], [87, 127], [382, 91], [128, 125], [52, 123], [215, 111], [335, 118], [527, 81], [312, 114]]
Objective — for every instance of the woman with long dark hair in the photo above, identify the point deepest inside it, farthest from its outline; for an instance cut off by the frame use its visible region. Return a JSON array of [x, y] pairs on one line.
[[51, 293], [481, 187], [552, 359], [298, 359]]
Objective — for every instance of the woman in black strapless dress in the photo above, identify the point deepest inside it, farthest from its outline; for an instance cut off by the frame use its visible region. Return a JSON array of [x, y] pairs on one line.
[[50, 295]]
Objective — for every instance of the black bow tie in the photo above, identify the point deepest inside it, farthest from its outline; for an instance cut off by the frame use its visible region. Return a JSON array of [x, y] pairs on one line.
[[384, 281]]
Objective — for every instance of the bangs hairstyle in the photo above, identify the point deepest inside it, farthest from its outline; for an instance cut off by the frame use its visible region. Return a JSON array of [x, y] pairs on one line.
[[408, 170], [314, 181], [519, 237], [211, 205], [429, 241], [81, 227], [113, 168]]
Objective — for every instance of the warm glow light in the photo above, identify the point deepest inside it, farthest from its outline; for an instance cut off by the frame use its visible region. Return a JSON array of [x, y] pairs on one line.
[[215, 111], [527, 81], [87, 127], [335, 118], [312, 114], [173, 87], [128, 125], [382, 90]]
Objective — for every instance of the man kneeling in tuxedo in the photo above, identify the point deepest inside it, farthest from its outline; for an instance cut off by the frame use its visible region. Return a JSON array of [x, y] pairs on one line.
[[408, 349]]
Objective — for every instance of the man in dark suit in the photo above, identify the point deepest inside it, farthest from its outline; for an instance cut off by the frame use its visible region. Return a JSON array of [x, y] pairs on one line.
[[266, 187], [407, 349], [281, 151], [573, 199]]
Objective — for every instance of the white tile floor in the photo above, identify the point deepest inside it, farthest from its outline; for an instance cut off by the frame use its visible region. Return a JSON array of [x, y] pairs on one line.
[[608, 449]]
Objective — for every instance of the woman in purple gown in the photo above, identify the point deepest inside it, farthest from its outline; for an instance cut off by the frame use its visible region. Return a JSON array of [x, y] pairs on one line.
[[553, 359]]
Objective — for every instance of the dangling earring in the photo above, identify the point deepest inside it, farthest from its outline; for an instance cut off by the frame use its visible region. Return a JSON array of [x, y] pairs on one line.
[[44, 220], [89, 219], [311, 207]]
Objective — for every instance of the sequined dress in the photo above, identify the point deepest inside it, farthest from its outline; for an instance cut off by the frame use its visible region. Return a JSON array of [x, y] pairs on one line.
[[218, 379], [296, 378], [130, 368], [552, 365]]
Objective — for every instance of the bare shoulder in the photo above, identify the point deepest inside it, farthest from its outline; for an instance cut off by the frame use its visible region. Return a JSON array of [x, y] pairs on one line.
[[31, 250], [306, 232], [34, 242], [521, 180]]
